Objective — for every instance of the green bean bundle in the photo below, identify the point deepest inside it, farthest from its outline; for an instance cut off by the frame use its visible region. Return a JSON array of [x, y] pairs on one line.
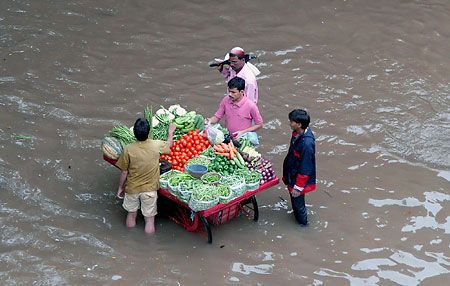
[[123, 134]]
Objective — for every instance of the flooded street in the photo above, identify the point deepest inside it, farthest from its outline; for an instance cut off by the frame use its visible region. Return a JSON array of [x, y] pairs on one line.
[[372, 74]]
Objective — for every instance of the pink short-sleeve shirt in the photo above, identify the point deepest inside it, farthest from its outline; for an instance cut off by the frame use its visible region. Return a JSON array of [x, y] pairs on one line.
[[238, 116]]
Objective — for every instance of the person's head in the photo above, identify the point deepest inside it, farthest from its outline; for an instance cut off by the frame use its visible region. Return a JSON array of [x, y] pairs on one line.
[[299, 119], [141, 129], [236, 87], [237, 58]]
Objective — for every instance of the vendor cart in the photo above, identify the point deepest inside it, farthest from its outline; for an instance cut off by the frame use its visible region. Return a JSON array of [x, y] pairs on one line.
[[178, 211]]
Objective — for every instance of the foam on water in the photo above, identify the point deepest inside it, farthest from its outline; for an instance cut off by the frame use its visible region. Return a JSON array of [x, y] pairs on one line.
[[432, 203], [248, 269], [444, 174], [284, 52], [31, 108], [14, 183], [391, 268]]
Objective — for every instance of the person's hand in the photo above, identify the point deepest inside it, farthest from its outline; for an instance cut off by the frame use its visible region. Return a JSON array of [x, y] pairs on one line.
[[120, 193], [222, 66], [238, 134], [172, 127], [207, 121], [296, 191]]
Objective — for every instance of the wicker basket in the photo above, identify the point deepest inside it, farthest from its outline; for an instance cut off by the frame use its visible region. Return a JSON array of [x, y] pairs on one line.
[[197, 205]]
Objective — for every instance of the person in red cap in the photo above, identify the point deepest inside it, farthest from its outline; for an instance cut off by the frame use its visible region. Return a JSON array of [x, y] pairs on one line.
[[240, 68]]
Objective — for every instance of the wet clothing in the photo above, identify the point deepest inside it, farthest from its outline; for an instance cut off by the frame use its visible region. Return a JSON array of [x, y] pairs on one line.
[[299, 169], [299, 209], [299, 166], [239, 115], [141, 160], [251, 87], [146, 201]]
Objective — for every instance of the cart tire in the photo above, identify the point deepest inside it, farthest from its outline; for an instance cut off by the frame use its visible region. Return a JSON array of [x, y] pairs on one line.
[[250, 210], [255, 209], [207, 228], [193, 219]]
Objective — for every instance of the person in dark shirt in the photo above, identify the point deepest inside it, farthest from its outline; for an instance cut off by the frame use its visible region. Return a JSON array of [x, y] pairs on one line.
[[299, 166]]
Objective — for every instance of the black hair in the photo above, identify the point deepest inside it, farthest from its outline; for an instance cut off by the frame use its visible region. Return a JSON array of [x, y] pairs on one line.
[[236, 82], [300, 116], [141, 129]]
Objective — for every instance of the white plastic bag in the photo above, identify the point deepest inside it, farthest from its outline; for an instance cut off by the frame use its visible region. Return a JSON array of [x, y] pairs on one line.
[[214, 134]]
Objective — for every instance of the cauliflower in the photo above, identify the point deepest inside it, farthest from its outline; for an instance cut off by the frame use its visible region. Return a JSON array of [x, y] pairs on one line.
[[155, 121], [164, 115], [177, 110]]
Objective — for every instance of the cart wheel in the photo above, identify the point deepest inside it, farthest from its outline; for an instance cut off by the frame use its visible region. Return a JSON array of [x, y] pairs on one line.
[[207, 228], [253, 209], [187, 218], [193, 219]]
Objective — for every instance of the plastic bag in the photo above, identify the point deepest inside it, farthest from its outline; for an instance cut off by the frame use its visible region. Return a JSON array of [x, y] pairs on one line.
[[214, 134], [252, 137]]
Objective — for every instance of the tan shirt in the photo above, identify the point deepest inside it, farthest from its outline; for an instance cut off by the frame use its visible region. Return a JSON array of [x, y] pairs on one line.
[[141, 160]]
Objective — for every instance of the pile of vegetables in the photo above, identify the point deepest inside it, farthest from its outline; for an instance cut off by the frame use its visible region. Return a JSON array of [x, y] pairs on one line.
[[264, 167], [187, 147], [123, 134], [230, 169], [227, 150], [185, 121], [222, 165], [116, 139], [211, 178], [249, 151], [209, 152], [197, 160]]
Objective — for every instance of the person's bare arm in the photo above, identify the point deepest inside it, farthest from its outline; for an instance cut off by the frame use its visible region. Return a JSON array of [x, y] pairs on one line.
[[172, 128], [255, 127], [122, 180], [212, 120]]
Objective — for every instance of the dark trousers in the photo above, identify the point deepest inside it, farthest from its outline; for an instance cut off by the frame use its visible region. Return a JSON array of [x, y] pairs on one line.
[[299, 207]]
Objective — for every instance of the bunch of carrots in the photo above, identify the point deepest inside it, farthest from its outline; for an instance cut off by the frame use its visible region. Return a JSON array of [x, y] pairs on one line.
[[226, 149]]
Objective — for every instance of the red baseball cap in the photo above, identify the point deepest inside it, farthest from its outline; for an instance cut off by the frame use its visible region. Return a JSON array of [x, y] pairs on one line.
[[238, 51]]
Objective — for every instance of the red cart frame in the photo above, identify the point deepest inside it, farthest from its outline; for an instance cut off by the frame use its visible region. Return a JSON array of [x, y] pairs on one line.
[[178, 211]]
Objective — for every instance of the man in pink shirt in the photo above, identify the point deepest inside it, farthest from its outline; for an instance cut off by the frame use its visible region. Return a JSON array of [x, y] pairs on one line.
[[239, 112], [238, 67]]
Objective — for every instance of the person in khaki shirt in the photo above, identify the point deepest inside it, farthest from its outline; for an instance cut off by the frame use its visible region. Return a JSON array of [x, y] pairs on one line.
[[139, 179]]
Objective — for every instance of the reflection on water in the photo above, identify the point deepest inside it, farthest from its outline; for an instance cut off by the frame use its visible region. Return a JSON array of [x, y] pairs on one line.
[[247, 269], [432, 203], [399, 266], [393, 268]]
